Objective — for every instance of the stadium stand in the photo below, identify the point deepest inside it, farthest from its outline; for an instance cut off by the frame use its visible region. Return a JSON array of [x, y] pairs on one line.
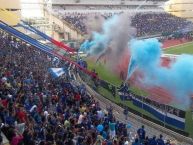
[[39, 109], [106, 2], [145, 23], [148, 24]]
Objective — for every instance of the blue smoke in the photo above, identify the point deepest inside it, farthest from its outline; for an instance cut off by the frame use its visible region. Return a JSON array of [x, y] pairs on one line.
[[178, 79], [100, 41], [85, 46]]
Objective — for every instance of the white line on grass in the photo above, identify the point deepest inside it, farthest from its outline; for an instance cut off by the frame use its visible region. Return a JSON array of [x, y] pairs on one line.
[[177, 47]]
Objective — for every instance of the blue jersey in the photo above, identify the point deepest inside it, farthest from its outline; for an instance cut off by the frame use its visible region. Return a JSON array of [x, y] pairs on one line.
[[141, 133], [152, 142], [160, 142]]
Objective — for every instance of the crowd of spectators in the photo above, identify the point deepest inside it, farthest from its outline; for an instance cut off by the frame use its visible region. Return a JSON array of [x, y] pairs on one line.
[[150, 24], [145, 23], [36, 108], [77, 20]]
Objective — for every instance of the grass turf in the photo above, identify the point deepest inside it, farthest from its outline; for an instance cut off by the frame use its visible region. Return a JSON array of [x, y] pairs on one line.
[[189, 122], [186, 48], [110, 77], [104, 73]]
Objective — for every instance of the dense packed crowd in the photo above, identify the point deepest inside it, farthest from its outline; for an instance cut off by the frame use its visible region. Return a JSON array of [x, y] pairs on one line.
[[148, 24], [145, 23], [77, 20], [36, 108]]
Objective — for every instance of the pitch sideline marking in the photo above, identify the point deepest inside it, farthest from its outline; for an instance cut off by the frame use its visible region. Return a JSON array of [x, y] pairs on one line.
[[177, 46]]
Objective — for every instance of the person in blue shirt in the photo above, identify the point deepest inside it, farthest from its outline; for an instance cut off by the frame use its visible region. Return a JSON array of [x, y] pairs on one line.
[[141, 133], [104, 134], [112, 129], [153, 141], [160, 140], [10, 119]]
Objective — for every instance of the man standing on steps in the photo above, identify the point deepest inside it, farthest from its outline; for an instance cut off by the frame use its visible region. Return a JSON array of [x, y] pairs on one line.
[[141, 133], [160, 140], [126, 112]]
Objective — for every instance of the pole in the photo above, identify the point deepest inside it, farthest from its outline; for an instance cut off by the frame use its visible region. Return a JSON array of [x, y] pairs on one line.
[[165, 113], [141, 105]]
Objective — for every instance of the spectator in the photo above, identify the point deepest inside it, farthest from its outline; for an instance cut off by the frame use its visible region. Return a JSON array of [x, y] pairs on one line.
[[168, 142], [53, 110], [126, 112], [136, 142], [160, 140], [153, 141], [146, 141], [145, 23], [141, 133], [112, 129]]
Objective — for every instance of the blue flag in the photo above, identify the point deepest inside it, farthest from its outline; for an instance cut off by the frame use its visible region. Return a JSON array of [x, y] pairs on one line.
[[56, 72]]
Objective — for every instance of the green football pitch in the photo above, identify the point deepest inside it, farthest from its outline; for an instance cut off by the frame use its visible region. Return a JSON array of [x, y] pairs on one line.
[[109, 76], [186, 48]]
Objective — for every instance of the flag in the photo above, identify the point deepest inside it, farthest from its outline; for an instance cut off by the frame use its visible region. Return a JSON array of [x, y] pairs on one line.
[[56, 72], [132, 67]]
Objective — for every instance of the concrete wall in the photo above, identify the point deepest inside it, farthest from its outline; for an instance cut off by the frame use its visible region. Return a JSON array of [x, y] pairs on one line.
[[61, 29], [12, 6]]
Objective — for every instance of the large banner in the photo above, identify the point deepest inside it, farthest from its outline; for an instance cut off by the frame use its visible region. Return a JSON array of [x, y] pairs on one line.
[[167, 116], [162, 107]]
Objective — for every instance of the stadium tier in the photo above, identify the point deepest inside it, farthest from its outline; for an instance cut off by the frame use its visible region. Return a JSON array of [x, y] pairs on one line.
[[95, 72], [145, 23], [37, 108]]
